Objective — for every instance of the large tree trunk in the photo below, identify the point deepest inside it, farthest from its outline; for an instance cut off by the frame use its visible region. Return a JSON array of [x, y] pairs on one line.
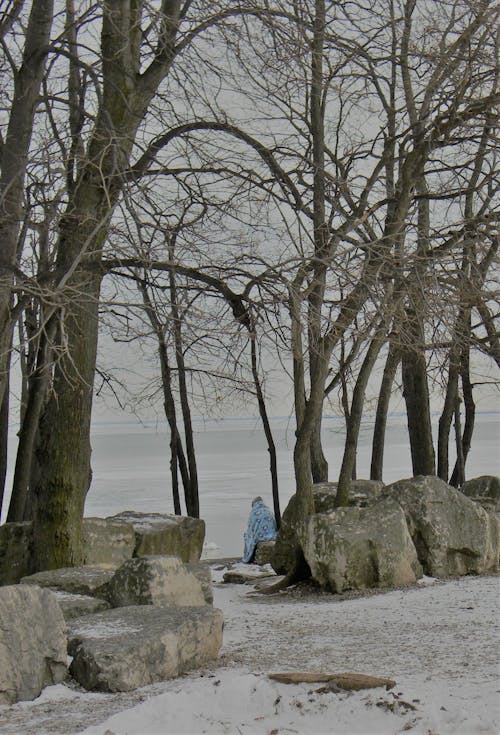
[[416, 395], [63, 472], [62, 460]]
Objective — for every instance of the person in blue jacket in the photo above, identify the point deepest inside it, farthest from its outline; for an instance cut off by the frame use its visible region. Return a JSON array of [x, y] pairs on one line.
[[261, 527]]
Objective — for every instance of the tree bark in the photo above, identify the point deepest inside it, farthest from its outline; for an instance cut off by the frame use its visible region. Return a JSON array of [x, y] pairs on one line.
[[15, 149], [354, 422], [384, 397], [271, 447], [416, 395], [63, 472], [38, 383]]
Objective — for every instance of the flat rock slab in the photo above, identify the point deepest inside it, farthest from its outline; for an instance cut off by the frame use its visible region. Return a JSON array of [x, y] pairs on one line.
[[74, 606], [154, 580], [77, 580], [130, 647], [348, 681], [247, 573]]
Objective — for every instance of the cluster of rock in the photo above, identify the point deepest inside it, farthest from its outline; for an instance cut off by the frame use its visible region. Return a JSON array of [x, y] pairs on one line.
[[108, 541], [390, 536], [124, 624]]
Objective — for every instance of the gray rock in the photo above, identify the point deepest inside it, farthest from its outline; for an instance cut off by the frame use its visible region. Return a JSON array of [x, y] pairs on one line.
[[162, 533], [74, 606], [154, 580], [360, 548], [363, 492], [77, 580], [264, 552], [130, 647], [15, 551], [453, 535], [32, 642], [248, 575], [485, 490], [107, 541], [201, 571]]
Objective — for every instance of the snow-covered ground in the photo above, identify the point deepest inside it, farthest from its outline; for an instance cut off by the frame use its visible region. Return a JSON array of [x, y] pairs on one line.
[[438, 641]]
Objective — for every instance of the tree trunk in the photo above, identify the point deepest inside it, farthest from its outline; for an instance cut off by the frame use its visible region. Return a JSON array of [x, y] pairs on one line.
[[15, 149], [460, 463], [63, 452], [271, 447], [38, 383], [470, 416], [62, 459], [4, 440], [447, 413], [379, 429], [354, 423], [416, 395], [191, 490], [319, 465]]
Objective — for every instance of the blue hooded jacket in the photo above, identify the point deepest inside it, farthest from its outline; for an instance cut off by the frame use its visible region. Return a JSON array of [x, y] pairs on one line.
[[261, 527]]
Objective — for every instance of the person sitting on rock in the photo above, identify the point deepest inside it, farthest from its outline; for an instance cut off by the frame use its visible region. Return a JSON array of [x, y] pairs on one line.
[[261, 527]]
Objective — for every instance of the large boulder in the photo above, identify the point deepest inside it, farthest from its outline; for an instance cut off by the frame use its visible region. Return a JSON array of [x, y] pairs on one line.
[[485, 490], [107, 541], [123, 649], [162, 533], [359, 548], [154, 580], [32, 642], [286, 547], [453, 535], [76, 580], [15, 551]]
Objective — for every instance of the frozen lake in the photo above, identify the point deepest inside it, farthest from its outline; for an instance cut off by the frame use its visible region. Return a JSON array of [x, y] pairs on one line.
[[130, 465]]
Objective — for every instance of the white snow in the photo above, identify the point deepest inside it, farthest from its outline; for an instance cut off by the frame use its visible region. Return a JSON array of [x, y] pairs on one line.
[[439, 642]]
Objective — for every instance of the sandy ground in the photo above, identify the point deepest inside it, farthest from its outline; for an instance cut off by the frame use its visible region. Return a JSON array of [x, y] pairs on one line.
[[439, 642]]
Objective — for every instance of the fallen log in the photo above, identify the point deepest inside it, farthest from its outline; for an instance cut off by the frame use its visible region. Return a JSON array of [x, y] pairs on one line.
[[348, 681]]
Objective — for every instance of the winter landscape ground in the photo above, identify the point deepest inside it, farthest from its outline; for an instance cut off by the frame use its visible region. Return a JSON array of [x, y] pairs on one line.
[[438, 641]]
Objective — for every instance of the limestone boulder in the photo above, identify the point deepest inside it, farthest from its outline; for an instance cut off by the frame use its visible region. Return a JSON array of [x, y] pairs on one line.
[[363, 493], [453, 535], [15, 551], [107, 541], [154, 580], [32, 642], [485, 490], [130, 647], [162, 533], [76, 580], [360, 548]]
